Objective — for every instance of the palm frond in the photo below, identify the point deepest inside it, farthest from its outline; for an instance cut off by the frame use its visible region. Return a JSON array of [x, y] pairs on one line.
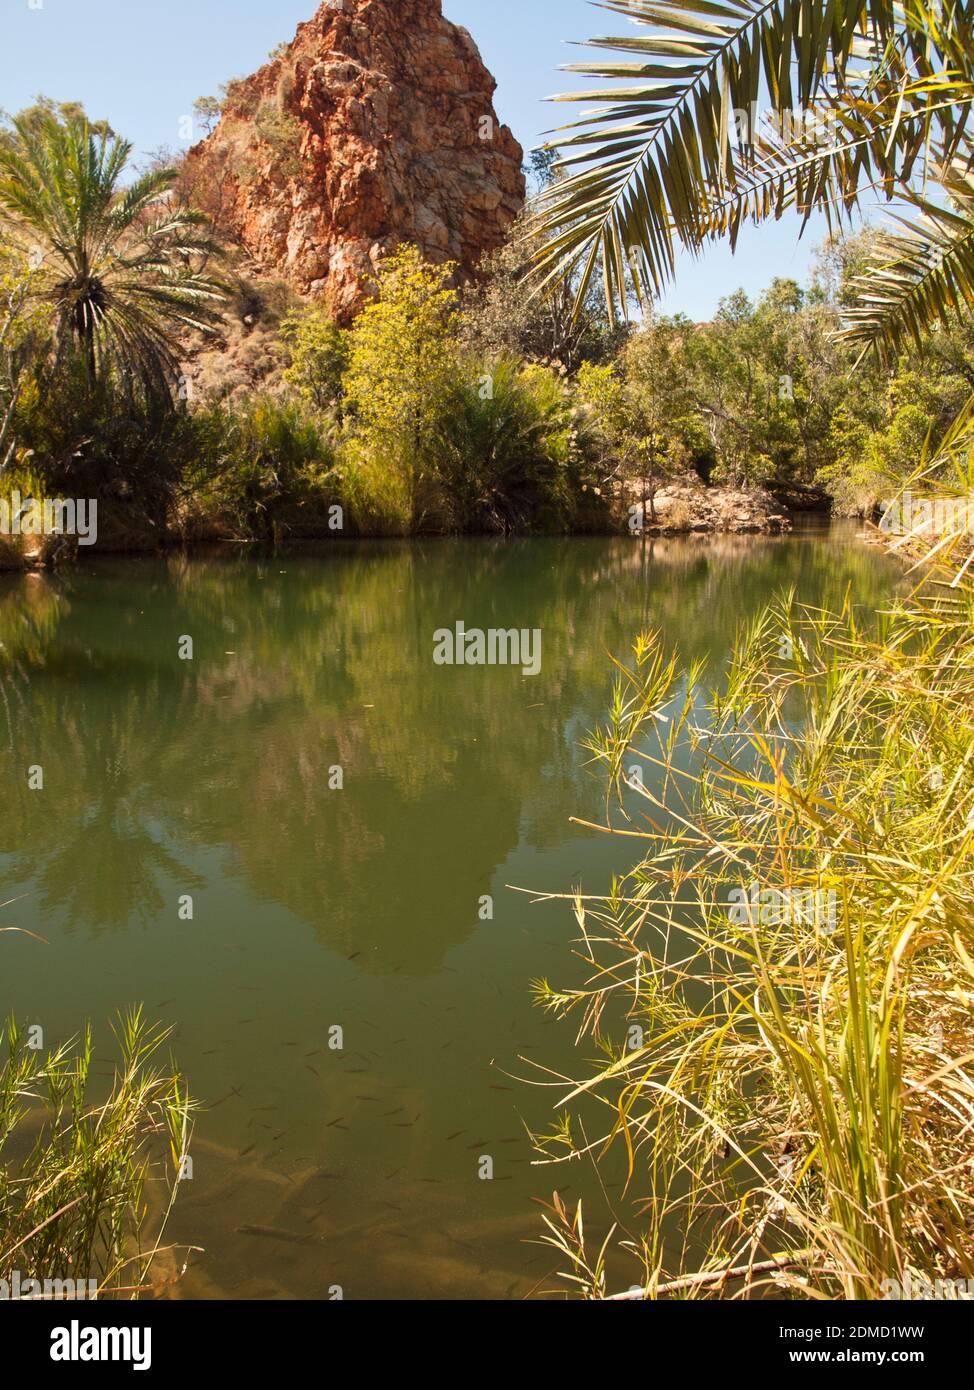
[[919, 276], [664, 159], [124, 269]]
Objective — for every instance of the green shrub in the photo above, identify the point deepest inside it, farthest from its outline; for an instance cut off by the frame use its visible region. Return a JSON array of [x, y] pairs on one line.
[[320, 354], [94, 440], [501, 447], [265, 472]]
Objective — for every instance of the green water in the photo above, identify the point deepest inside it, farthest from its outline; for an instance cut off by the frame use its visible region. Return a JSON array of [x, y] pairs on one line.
[[357, 907]]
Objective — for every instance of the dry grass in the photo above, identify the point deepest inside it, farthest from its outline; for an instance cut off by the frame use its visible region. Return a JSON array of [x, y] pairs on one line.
[[795, 1107]]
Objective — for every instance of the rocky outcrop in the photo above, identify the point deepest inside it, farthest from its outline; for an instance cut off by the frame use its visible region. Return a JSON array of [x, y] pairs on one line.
[[684, 505], [374, 127]]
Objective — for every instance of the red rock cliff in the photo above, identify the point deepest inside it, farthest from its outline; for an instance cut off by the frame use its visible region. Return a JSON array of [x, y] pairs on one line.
[[376, 126]]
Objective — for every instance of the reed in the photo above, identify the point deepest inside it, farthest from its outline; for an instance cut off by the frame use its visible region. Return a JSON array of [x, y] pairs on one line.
[[74, 1169], [779, 992]]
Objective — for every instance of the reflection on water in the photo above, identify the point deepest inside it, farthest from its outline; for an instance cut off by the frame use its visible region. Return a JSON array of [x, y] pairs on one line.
[[361, 907]]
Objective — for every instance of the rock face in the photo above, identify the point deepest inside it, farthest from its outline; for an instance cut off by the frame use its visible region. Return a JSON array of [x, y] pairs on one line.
[[684, 505], [374, 127]]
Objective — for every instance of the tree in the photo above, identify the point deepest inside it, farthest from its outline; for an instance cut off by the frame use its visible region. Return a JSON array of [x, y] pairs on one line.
[[45, 109], [320, 353], [119, 276], [675, 157], [402, 366], [208, 111], [502, 317], [642, 407]]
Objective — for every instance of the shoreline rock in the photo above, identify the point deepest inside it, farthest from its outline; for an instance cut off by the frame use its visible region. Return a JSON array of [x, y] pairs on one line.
[[685, 506]]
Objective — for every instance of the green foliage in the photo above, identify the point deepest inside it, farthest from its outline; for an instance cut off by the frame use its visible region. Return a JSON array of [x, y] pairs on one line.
[[119, 271], [74, 1162], [501, 316], [672, 154], [16, 326], [401, 370], [93, 439], [208, 111], [265, 471], [44, 109], [508, 451], [320, 356], [282, 132], [766, 393]]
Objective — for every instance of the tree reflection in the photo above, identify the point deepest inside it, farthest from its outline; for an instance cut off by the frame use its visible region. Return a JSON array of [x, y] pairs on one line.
[[308, 663]]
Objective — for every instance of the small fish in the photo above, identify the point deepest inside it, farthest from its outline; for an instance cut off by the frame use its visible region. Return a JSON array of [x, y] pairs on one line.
[[310, 1068], [450, 1137], [333, 1123], [223, 1099], [273, 1233], [249, 1150]]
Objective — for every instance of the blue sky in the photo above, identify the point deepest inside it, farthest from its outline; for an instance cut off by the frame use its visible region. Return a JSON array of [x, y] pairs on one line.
[[141, 64]]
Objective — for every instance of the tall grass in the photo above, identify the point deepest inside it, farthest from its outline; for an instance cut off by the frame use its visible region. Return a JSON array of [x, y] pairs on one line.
[[780, 991], [74, 1168]]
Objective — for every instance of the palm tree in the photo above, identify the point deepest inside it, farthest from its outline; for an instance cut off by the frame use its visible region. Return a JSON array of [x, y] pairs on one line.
[[674, 156], [123, 272]]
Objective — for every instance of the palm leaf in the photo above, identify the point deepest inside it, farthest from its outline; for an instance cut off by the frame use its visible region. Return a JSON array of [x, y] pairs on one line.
[[919, 276], [123, 273], [659, 163]]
